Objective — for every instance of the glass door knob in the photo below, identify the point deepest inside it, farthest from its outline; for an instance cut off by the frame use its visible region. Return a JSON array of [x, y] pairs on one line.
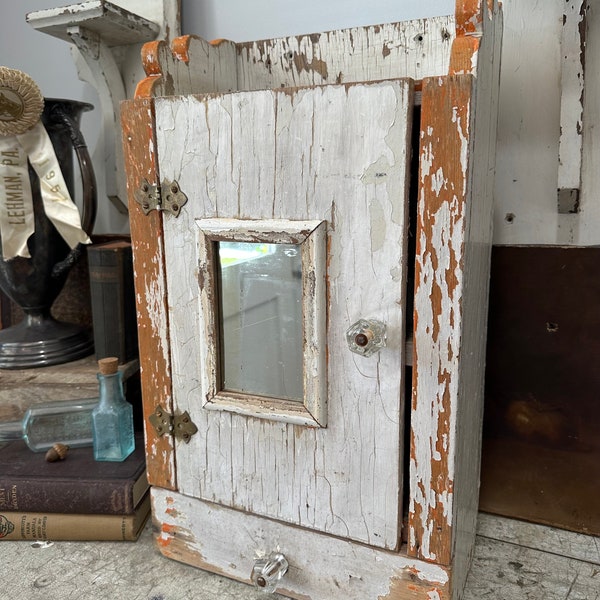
[[366, 337], [268, 571]]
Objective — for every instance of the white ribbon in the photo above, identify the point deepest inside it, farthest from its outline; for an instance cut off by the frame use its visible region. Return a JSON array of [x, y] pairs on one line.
[[16, 204]]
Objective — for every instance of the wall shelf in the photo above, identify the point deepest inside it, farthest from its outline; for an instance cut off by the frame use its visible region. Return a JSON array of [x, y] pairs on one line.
[[107, 39], [116, 26]]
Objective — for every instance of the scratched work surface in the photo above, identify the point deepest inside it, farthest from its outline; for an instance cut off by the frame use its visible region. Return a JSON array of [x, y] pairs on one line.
[[538, 563]]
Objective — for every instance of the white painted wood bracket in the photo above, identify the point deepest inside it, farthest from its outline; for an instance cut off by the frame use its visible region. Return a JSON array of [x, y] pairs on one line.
[[104, 34], [572, 79]]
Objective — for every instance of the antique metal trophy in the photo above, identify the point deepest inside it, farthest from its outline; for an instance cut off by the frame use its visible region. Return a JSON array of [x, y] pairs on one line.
[[41, 231]]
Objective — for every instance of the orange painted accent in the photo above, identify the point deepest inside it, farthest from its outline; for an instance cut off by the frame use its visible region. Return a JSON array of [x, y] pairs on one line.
[[445, 124], [139, 144], [168, 528], [180, 47], [469, 16], [464, 49], [145, 88], [150, 62], [402, 588]]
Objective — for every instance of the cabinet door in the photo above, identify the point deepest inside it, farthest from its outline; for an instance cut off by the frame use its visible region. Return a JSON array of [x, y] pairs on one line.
[[299, 197]]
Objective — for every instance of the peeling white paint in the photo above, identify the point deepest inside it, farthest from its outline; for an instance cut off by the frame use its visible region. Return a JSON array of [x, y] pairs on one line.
[[155, 297], [363, 572], [462, 129], [437, 181], [297, 155]]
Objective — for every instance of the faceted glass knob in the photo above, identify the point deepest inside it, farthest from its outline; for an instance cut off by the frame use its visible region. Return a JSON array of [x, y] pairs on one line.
[[267, 572], [366, 337]]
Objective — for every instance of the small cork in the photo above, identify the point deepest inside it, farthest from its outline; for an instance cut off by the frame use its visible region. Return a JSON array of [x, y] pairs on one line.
[[108, 366]]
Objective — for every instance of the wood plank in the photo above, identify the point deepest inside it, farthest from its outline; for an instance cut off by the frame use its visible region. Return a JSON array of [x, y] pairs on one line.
[[589, 218], [446, 151], [168, 68], [452, 278], [567, 544], [302, 154], [139, 148], [415, 49], [506, 570], [477, 250], [96, 571], [191, 531], [572, 85]]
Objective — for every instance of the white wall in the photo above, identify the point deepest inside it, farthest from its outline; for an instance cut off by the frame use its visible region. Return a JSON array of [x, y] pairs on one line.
[[245, 20], [530, 93]]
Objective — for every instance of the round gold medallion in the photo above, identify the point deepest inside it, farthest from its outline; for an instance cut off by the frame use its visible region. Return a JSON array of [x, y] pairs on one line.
[[21, 102]]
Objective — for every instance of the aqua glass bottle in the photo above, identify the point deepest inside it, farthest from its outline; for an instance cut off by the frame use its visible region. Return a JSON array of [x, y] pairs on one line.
[[112, 419]]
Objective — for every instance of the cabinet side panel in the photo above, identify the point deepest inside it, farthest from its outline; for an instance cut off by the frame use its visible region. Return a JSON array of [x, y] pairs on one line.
[[151, 295], [445, 160], [475, 300]]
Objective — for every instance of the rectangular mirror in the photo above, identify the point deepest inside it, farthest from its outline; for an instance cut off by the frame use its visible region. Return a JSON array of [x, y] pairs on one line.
[[260, 301]]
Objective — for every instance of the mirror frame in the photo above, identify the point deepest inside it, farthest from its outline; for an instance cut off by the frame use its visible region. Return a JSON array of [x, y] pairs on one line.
[[311, 236]]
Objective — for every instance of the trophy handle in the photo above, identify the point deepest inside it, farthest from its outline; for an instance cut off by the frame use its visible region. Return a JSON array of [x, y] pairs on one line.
[[88, 179]]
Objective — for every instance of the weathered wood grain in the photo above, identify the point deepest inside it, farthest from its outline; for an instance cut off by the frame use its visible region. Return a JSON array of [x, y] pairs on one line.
[[320, 566], [337, 154], [139, 148], [278, 470], [458, 131], [568, 544], [168, 70], [416, 49], [446, 148]]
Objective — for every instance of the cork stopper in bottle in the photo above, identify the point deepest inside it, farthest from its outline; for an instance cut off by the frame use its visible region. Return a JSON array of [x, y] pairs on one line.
[[108, 366]]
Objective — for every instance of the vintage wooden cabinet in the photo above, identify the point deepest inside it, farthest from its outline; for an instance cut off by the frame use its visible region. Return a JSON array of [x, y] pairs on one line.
[[311, 220]]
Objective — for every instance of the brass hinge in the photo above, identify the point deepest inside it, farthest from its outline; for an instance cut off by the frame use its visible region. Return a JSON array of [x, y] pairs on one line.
[[167, 197], [181, 426]]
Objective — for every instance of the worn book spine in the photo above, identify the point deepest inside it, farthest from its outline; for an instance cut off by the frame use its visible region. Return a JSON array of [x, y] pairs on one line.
[[113, 300], [67, 496], [69, 527]]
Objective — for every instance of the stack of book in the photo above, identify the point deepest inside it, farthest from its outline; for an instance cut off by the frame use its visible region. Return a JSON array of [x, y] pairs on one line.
[[73, 499]]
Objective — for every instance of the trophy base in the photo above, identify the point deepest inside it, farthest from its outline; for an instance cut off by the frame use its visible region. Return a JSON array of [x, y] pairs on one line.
[[43, 342]]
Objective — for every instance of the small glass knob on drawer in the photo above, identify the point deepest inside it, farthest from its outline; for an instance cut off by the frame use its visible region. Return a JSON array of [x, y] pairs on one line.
[[267, 572], [366, 337]]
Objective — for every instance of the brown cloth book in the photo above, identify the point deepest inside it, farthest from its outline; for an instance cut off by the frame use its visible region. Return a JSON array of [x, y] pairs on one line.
[[62, 527], [76, 485]]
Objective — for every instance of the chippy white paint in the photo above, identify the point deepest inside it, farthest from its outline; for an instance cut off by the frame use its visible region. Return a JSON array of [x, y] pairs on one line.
[[185, 521], [252, 173], [155, 294], [221, 486], [572, 90], [349, 55], [311, 237]]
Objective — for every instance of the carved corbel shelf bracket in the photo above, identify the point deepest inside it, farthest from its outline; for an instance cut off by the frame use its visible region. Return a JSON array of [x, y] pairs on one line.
[[107, 37]]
